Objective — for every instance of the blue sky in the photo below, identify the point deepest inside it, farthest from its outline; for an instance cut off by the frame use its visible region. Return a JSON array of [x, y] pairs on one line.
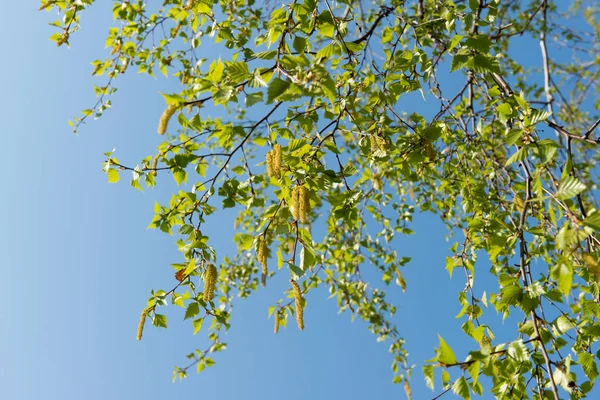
[[77, 263]]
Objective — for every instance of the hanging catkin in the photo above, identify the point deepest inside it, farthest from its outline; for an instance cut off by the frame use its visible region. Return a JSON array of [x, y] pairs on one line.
[[140, 329], [165, 117], [276, 328], [298, 302], [304, 203], [277, 160], [295, 202], [261, 254], [269, 160], [154, 165], [210, 277]]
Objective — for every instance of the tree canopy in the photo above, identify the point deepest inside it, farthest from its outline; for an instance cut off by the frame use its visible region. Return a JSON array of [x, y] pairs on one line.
[[311, 126]]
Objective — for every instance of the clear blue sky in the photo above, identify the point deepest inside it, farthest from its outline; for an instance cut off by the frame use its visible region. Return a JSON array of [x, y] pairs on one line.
[[77, 263]]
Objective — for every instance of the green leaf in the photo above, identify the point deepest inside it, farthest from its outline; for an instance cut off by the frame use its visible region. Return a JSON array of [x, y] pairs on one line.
[[295, 271], [588, 364], [593, 220], [197, 324], [459, 61], [563, 274], [192, 310], [307, 258], [238, 71], [547, 149], [518, 351], [512, 294], [474, 369], [513, 136], [179, 175], [445, 353], [428, 373], [113, 175], [538, 116], [299, 44], [484, 63], [461, 388], [570, 187], [159, 321], [455, 40], [276, 88], [244, 241], [564, 324], [520, 155], [253, 98]]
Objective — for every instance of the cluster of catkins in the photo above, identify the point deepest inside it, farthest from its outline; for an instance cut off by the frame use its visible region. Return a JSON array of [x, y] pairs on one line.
[[377, 143], [274, 162], [300, 203]]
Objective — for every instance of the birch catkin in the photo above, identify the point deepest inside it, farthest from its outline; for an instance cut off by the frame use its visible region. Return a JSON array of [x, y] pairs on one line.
[[154, 165], [210, 277], [298, 302], [295, 202], [270, 169], [304, 203], [140, 329], [165, 117], [277, 160], [276, 328], [261, 254]]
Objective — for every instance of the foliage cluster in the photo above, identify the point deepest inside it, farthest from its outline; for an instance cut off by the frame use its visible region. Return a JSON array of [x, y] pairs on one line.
[[326, 157]]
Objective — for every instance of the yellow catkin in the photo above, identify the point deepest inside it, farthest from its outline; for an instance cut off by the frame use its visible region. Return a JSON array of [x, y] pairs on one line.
[[277, 160], [154, 165], [210, 277], [407, 390], [165, 117], [295, 202], [303, 203], [140, 329], [276, 328], [261, 254], [373, 143], [298, 301], [270, 169]]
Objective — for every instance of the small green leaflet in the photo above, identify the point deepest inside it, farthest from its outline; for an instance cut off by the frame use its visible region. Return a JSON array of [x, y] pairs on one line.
[[428, 373], [588, 364], [461, 388], [197, 324], [159, 321], [593, 220], [113, 175], [445, 353], [192, 310], [563, 274], [276, 88], [570, 187], [518, 351], [518, 156], [295, 271]]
